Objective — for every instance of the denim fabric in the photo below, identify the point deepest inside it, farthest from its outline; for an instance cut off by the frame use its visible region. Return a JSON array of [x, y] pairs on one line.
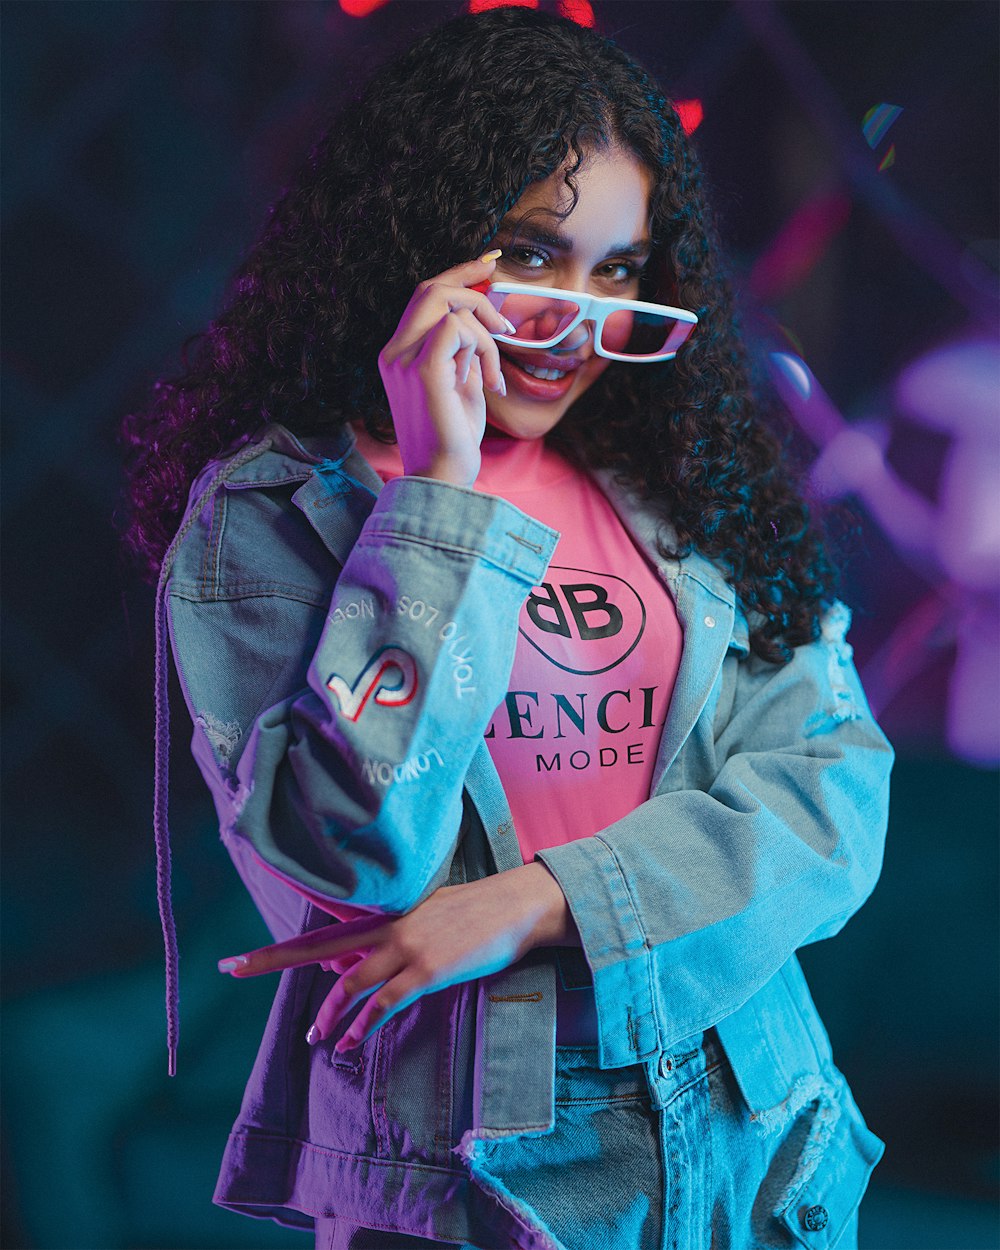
[[302, 588], [669, 1159], [802, 1184], [346, 1235]]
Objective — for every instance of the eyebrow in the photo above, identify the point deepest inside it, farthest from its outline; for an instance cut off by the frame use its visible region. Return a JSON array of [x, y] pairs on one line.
[[530, 233]]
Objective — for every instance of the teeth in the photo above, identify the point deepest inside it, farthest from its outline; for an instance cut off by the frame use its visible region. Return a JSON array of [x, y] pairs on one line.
[[547, 375]]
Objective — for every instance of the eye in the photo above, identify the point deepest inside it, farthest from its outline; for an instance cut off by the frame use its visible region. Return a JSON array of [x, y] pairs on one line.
[[619, 271], [521, 257]]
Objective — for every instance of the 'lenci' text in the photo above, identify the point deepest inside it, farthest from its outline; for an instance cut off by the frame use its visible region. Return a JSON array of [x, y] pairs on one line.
[[530, 714]]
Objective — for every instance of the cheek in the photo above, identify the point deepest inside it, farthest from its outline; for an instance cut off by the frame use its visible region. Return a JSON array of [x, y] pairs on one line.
[[617, 331], [593, 370]]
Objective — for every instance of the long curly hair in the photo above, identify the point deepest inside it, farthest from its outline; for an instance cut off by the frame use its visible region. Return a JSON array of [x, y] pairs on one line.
[[415, 176]]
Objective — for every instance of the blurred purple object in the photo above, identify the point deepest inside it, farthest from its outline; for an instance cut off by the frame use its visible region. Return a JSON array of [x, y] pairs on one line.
[[956, 389], [954, 543]]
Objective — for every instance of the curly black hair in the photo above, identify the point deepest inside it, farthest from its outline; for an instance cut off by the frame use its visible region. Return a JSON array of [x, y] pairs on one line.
[[415, 176]]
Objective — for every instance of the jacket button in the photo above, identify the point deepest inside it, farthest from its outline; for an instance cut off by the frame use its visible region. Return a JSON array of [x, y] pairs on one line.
[[816, 1218], [710, 622], [504, 827]]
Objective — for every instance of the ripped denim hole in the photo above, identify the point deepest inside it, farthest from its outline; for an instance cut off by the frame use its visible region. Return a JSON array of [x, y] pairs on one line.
[[223, 735]]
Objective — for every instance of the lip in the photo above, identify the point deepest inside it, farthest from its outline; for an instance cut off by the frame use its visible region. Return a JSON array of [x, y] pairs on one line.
[[544, 360], [543, 389]]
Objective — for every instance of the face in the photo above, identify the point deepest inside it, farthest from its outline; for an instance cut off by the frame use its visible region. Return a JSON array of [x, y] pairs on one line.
[[600, 248]]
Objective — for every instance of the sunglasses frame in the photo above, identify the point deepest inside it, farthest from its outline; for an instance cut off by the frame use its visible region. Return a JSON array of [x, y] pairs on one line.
[[597, 308]]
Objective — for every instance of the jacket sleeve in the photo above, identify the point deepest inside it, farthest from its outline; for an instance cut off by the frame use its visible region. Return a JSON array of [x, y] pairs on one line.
[[692, 902], [350, 786]]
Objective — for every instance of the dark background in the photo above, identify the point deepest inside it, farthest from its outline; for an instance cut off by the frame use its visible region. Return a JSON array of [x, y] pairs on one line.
[[142, 144]]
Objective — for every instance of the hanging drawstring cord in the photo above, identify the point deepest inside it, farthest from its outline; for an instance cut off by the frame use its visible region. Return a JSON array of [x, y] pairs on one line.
[[161, 765]]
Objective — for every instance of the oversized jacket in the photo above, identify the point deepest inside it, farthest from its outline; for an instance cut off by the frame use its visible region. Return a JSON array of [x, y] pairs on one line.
[[342, 646]]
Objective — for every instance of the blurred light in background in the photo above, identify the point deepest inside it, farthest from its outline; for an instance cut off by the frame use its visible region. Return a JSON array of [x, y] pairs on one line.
[[889, 158], [877, 121], [480, 6], [691, 113], [361, 8], [954, 540], [579, 11], [799, 244]]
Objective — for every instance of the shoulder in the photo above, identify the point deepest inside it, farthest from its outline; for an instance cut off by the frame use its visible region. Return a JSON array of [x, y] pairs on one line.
[[246, 530]]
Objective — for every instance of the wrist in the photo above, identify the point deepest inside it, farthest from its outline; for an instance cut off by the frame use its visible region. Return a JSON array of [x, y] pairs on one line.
[[550, 920], [454, 469]]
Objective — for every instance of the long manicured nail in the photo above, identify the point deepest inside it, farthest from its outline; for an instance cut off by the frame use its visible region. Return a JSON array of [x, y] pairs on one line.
[[502, 388], [232, 963], [347, 1042], [314, 1035], [511, 328], [488, 257]]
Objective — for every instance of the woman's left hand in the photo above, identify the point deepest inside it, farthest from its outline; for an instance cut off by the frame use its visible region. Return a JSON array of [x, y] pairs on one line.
[[456, 934]]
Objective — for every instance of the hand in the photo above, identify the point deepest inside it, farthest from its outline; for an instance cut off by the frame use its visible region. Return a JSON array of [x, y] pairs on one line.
[[456, 934], [434, 369]]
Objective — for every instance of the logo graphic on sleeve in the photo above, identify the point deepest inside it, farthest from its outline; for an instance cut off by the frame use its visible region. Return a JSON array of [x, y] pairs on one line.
[[390, 676], [583, 622]]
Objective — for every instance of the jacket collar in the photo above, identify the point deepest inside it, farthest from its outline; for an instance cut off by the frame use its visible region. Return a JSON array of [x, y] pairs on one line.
[[285, 457], [650, 530]]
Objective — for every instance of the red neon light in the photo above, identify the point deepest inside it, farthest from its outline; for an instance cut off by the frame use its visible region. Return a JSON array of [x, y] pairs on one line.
[[800, 244], [691, 113], [480, 6], [579, 11], [361, 8]]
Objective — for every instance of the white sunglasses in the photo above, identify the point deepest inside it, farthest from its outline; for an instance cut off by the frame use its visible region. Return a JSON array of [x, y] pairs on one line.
[[624, 329]]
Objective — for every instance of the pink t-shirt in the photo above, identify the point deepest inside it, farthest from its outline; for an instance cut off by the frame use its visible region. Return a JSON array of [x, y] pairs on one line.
[[598, 649]]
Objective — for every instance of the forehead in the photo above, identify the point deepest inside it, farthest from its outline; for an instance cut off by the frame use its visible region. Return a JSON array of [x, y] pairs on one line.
[[613, 188]]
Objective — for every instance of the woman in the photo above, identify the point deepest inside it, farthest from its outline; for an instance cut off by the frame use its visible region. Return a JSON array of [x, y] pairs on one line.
[[509, 644]]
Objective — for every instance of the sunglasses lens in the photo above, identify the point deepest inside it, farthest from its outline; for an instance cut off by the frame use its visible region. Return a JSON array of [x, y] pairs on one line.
[[637, 334], [535, 318]]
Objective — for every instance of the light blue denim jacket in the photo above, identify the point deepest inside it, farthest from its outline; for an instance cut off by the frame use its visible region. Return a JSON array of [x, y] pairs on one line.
[[340, 730]]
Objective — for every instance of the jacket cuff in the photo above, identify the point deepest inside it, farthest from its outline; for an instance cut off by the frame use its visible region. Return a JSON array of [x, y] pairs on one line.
[[468, 522], [614, 944]]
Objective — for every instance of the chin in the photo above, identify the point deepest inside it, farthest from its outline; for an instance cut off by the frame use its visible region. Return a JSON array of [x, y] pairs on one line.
[[524, 428], [525, 419]]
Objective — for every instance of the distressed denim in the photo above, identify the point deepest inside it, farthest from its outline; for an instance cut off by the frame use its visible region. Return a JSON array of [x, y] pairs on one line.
[[340, 728], [667, 1159]]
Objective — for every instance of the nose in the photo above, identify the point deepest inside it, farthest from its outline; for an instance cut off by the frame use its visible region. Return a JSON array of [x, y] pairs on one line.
[[577, 338]]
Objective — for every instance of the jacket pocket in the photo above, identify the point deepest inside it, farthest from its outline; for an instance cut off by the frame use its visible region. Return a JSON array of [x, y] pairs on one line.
[[833, 1170], [798, 1170]]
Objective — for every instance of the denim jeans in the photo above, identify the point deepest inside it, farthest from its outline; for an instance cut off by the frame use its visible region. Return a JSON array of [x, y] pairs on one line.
[[617, 1173]]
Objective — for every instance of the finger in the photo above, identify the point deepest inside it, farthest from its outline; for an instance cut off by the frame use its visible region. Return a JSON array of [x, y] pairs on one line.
[[460, 332], [436, 297], [308, 948], [390, 998], [343, 962], [471, 272], [489, 358], [355, 985], [463, 363]]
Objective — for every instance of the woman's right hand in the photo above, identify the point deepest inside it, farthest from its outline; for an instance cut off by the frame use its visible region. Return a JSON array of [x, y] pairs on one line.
[[435, 368]]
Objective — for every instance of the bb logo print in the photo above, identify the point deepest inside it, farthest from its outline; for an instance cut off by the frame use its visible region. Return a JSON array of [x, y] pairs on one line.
[[583, 622], [390, 677]]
